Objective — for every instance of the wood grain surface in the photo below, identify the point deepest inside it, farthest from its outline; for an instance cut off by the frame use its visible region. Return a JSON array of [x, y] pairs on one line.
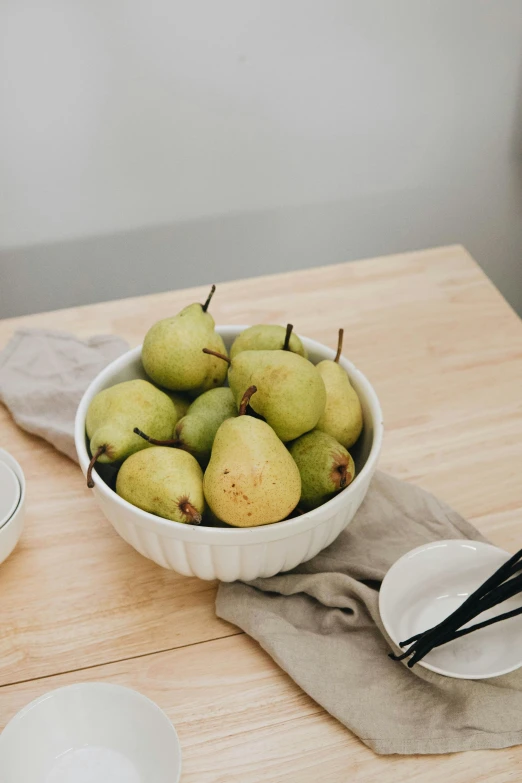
[[444, 352]]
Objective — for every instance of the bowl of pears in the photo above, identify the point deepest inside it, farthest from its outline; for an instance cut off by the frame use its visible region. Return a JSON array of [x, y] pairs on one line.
[[229, 452]]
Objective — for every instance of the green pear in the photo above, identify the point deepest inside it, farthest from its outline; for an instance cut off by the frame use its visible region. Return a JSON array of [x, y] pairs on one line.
[[113, 415], [342, 417], [267, 337], [291, 394], [166, 482], [196, 431], [251, 478], [324, 465], [172, 351]]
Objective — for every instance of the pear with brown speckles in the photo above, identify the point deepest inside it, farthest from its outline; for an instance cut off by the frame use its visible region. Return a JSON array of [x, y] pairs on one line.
[[172, 351], [251, 478], [325, 467], [115, 412], [163, 481]]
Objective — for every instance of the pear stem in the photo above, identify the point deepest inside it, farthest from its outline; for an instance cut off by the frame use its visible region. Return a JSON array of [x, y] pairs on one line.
[[246, 399], [204, 307], [190, 511], [154, 441], [286, 344], [339, 345], [216, 353], [97, 454], [342, 472]]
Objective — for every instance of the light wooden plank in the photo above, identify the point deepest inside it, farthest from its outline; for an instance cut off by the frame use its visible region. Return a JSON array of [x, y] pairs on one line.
[[240, 719]]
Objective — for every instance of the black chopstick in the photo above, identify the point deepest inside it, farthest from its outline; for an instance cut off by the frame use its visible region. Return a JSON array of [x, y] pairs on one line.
[[485, 623], [500, 586], [447, 632], [516, 566]]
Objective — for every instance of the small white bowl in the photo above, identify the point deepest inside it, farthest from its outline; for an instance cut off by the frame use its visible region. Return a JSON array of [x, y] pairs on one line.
[[9, 492], [90, 733], [429, 583], [235, 553], [11, 530]]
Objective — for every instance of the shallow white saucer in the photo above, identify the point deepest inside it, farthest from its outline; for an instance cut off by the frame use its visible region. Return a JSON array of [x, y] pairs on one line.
[[90, 733], [10, 492], [11, 530], [427, 584]]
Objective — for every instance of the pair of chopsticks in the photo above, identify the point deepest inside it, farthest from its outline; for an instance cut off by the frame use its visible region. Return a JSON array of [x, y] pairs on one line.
[[503, 584]]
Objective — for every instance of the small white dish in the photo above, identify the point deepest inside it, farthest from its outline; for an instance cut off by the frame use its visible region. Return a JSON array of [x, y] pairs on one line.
[[90, 733], [9, 492], [429, 583], [11, 530]]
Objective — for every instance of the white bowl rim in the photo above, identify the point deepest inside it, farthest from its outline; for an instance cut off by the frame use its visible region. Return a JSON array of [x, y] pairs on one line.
[[202, 534], [9, 460], [16, 498], [95, 685], [388, 626]]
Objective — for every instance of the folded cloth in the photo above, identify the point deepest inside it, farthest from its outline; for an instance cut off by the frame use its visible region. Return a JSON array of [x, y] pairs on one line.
[[43, 375], [321, 624]]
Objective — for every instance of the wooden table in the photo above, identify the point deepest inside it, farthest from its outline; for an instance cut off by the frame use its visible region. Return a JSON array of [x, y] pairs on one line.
[[444, 352]]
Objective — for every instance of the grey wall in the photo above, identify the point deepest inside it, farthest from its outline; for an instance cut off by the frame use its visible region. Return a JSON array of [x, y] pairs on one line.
[[147, 146]]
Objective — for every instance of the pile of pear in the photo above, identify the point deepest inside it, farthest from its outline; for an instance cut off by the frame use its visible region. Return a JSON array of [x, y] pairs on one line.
[[270, 445]]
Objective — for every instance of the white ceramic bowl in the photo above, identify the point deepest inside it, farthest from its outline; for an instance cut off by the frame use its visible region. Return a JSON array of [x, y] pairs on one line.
[[242, 553], [90, 733], [429, 583], [11, 530], [9, 492]]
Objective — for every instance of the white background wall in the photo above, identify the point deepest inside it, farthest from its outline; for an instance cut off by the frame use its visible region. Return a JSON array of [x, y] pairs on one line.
[[160, 144]]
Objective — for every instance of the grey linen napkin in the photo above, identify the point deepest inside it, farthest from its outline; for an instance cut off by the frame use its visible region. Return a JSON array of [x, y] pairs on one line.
[[320, 623], [43, 375]]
